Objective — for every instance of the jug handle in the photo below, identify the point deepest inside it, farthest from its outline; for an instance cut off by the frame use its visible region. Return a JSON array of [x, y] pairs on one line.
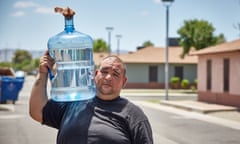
[[51, 75]]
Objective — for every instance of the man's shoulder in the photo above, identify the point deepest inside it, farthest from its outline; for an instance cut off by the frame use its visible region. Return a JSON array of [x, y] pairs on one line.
[[131, 106]]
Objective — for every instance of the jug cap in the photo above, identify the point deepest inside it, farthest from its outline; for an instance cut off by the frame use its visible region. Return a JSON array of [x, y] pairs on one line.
[[67, 12]]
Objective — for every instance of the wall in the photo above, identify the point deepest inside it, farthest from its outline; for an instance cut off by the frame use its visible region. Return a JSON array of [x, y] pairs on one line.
[[235, 74], [138, 75], [217, 94]]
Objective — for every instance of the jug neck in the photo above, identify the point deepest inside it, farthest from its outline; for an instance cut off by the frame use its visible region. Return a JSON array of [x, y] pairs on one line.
[[69, 26]]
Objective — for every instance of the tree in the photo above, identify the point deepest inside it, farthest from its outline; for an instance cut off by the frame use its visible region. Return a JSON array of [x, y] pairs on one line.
[[198, 34], [36, 62], [147, 43], [21, 59], [100, 45]]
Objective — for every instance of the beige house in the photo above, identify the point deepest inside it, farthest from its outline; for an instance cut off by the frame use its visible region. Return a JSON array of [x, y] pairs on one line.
[[146, 67], [219, 74]]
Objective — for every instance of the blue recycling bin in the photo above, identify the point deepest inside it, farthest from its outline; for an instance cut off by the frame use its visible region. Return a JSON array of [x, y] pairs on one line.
[[10, 88]]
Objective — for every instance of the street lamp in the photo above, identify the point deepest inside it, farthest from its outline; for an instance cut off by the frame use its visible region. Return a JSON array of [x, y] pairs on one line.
[[167, 4], [118, 42], [109, 29]]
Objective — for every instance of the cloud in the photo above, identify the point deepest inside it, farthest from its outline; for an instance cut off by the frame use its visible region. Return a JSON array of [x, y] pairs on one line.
[[44, 10], [157, 1], [18, 14], [29, 4], [25, 4]]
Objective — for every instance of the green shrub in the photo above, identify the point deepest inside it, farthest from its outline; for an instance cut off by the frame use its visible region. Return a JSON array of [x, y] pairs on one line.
[[174, 80], [184, 83], [195, 82]]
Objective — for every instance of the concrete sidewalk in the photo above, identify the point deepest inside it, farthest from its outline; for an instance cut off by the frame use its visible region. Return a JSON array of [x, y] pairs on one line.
[[215, 110], [198, 106], [7, 107]]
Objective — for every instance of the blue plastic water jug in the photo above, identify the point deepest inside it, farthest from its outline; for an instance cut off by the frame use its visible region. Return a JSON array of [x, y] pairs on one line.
[[72, 78]]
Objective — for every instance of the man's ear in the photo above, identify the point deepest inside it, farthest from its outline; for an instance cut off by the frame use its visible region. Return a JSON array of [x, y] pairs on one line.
[[124, 82], [96, 72]]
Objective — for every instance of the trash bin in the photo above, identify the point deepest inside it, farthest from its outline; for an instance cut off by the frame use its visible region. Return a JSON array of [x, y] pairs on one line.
[[10, 88]]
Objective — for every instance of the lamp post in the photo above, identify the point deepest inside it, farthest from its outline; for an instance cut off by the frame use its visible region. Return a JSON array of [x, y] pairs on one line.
[[118, 42], [109, 29], [167, 4]]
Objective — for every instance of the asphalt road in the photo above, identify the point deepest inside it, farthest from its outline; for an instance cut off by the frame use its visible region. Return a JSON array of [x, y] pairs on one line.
[[16, 127]]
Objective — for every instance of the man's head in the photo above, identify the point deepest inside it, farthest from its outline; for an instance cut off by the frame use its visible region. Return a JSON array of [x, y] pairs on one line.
[[110, 78]]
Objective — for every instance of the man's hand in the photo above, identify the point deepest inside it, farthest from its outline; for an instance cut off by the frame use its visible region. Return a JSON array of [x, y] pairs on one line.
[[46, 63]]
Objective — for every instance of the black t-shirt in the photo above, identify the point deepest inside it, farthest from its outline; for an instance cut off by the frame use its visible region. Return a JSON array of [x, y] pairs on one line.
[[98, 122]]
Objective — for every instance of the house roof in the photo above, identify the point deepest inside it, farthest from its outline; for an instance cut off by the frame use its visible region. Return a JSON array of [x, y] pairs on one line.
[[152, 55], [158, 55], [224, 47]]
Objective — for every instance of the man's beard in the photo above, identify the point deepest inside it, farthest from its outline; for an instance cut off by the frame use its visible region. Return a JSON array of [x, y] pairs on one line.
[[106, 91]]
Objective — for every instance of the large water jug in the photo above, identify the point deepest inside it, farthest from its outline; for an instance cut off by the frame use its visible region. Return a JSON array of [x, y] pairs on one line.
[[72, 76]]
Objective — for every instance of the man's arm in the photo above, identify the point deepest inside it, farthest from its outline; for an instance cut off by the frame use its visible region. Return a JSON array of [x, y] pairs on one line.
[[39, 98]]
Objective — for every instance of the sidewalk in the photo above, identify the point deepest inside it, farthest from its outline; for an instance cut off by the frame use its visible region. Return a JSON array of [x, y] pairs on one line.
[[198, 106], [7, 107], [219, 111]]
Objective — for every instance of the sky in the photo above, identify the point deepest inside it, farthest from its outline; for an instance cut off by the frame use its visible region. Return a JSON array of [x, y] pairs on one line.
[[29, 24]]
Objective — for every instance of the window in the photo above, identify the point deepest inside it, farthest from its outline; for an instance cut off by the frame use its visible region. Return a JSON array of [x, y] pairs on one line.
[[153, 71], [226, 75], [179, 72], [209, 74]]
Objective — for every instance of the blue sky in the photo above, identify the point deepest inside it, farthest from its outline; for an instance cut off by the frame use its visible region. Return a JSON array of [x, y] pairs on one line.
[[29, 24]]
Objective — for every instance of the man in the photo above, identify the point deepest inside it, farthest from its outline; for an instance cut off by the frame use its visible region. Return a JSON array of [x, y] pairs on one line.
[[105, 119]]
